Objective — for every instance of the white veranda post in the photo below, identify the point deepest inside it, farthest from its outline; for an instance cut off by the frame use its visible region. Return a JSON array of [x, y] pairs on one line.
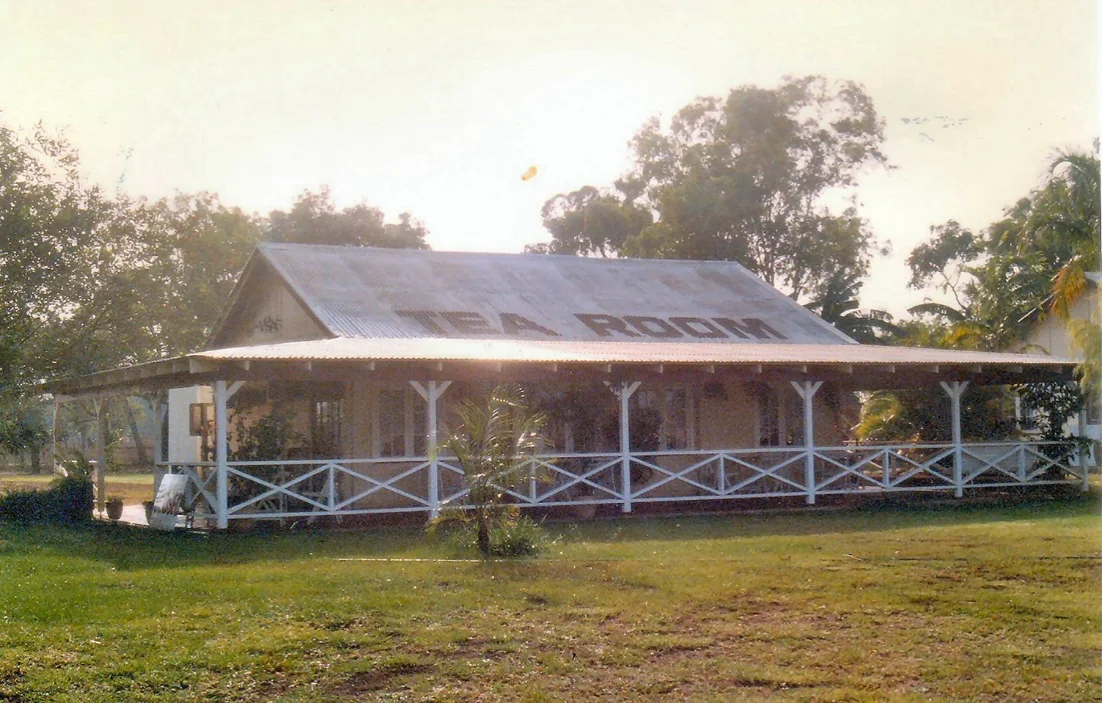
[[807, 390], [955, 390], [57, 433], [625, 391], [220, 452], [431, 393], [101, 453], [1081, 451], [160, 415]]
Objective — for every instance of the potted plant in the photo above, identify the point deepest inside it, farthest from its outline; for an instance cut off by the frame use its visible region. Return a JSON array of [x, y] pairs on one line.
[[114, 508]]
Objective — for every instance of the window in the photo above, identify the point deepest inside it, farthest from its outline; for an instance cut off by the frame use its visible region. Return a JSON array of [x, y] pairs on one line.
[[400, 423], [1027, 417], [661, 419], [325, 429], [780, 417], [201, 419], [769, 429], [326, 418], [391, 423]]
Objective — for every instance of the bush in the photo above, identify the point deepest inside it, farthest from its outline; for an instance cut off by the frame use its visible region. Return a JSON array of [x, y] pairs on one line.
[[516, 536], [67, 501], [521, 537]]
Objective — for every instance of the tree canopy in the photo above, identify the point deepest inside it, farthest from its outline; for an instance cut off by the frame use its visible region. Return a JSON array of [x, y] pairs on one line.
[[749, 178], [314, 219], [89, 280], [1032, 262]]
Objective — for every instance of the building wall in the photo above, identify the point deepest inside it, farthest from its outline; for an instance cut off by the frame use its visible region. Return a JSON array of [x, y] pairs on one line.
[[723, 416], [1049, 334], [183, 447], [272, 314]]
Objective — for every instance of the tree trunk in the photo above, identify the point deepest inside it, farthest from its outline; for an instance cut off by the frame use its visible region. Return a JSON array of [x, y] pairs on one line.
[[483, 536], [143, 458], [36, 460]]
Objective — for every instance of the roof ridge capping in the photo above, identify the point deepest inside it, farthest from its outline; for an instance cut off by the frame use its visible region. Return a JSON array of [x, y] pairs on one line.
[[466, 252]]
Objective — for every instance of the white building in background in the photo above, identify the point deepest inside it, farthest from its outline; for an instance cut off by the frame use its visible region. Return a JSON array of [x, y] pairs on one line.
[[1048, 334]]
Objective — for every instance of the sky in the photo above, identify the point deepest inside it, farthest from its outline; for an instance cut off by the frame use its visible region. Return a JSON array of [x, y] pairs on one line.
[[438, 108]]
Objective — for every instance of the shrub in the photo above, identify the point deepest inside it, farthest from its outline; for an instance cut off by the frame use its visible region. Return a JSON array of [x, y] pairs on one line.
[[521, 537], [516, 536], [68, 500]]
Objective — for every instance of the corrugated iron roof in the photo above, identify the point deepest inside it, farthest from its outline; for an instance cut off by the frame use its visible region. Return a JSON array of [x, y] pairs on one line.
[[519, 351], [370, 293]]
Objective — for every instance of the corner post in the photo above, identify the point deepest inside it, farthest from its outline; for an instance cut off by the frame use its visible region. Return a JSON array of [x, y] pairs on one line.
[[57, 434], [160, 414], [955, 390], [807, 391], [220, 454], [625, 391], [101, 454]]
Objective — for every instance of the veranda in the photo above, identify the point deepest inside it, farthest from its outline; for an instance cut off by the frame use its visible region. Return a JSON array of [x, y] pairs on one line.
[[621, 434]]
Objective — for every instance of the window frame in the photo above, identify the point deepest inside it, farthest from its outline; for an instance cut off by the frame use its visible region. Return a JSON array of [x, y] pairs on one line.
[[413, 435], [662, 405]]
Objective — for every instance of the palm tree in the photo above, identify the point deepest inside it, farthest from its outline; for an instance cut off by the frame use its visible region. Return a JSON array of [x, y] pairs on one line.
[[491, 446], [839, 305], [1064, 219]]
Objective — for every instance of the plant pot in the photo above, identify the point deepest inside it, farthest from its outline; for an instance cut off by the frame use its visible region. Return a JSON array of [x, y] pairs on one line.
[[114, 510]]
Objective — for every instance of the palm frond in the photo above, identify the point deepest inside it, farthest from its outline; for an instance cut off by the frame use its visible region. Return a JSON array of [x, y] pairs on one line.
[[950, 313]]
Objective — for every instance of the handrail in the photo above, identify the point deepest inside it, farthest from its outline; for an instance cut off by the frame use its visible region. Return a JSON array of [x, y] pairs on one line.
[[365, 485]]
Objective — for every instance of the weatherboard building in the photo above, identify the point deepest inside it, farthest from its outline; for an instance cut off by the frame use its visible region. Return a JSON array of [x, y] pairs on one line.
[[666, 383]]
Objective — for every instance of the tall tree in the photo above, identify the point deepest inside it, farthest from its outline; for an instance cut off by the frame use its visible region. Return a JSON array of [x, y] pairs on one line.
[[314, 219], [90, 281], [1064, 224], [745, 178], [589, 222], [56, 244], [202, 246], [1034, 258]]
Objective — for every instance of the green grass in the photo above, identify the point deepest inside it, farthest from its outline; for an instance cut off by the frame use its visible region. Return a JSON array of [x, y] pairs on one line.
[[132, 488], [965, 603]]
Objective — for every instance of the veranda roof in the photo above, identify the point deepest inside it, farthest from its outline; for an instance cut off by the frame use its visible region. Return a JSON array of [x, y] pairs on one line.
[[526, 351], [856, 365]]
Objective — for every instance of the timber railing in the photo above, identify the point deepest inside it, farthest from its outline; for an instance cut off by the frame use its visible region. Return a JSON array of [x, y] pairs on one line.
[[311, 488]]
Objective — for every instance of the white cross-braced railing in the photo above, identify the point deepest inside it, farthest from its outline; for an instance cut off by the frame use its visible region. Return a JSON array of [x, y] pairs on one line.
[[549, 480], [335, 487]]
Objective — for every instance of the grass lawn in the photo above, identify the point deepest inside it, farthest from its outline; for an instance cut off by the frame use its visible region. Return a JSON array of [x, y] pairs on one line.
[[912, 604], [132, 488]]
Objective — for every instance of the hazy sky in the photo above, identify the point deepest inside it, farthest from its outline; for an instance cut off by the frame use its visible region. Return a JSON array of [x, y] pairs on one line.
[[438, 107]]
